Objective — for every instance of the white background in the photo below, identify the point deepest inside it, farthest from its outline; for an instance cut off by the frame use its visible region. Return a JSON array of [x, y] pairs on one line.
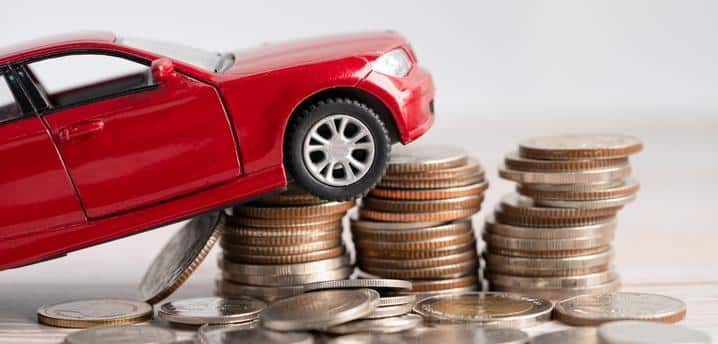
[[524, 67]]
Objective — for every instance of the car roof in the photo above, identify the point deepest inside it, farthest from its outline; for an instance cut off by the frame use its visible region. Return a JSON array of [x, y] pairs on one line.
[[25, 49]]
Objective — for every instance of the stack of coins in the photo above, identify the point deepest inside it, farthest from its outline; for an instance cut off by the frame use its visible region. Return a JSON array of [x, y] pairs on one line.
[[416, 225], [553, 237], [275, 245]]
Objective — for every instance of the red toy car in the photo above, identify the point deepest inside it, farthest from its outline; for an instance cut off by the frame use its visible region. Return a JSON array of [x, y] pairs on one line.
[[164, 132]]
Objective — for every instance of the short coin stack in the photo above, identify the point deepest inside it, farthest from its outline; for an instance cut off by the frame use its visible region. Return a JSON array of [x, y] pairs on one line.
[[416, 225], [275, 245], [553, 238]]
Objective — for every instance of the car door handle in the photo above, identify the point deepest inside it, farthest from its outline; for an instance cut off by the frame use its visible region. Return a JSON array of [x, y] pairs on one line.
[[81, 129]]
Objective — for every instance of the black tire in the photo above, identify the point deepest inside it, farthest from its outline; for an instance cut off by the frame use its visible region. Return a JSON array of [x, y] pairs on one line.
[[298, 129]]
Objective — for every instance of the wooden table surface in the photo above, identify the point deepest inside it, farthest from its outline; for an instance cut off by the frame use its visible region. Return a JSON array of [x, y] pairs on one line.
[[665, 243]]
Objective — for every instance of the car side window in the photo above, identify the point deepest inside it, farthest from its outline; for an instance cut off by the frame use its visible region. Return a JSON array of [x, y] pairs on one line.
[[9, 108], [81, 78]]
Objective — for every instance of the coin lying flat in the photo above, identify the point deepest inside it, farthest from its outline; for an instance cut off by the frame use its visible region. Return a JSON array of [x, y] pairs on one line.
[[591, 310], [430, 194], [271, 212], [472, 166], [287, 222], [290, 280], [515, 204], [268, 294], [446, 271], [422, 206], [447, 215], [549, 267], [232, 335], [403, 263], [580, 335], [490, 309], [598, 176], [389, 311], [516, 162], [284, 269], [600, 229], [320, 309], [94, 312], [396, 300], [383, 325], [379, 284], [623, 189], [579, 281], [143, 334], [211, 310], [432, 286], [293, 195], [433, 183], [438, 334], [181, 256], [580, 146], [411, 234], [418, 158], [644, 332], [289, 259], [557, 294], [281, 250], [418, 245], [593, 204], [530, 244]]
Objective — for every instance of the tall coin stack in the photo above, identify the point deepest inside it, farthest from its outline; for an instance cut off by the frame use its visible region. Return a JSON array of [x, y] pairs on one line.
[[552, 238], [416, 224], [275, 245]]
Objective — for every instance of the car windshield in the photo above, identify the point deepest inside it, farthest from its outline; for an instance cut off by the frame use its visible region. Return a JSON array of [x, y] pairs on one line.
[[211, 61]]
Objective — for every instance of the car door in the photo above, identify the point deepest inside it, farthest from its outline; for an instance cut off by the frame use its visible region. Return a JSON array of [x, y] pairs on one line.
[[36, 193], [128, 141]]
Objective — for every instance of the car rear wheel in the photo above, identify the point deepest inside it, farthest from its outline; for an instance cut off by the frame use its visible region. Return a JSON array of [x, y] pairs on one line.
[[337, 149]]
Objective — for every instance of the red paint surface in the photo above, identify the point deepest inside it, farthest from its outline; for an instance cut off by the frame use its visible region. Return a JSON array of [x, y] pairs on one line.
[[88, 174]]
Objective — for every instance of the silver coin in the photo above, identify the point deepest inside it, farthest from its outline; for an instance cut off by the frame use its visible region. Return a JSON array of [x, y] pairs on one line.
[[94, 312], [580, 146], [557, 294], [603, 203], [247, 325], [180, 256], [415, 158], [373, 283], [290, 280], [284, 269], [396, 300], [442, 334], [574, 187], [268, 294], [548, 267], [645, 332], [597, 176], [541, 245], [553, 282], [490, 309], [383, 325], [211, 310], [232, 335], [579, 335], [600, 229], [142, 334], [390, 311], [597, 309], [391, 226], [320, 309]]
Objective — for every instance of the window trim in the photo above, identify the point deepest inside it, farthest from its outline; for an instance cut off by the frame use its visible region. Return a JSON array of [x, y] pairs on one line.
[[43, 108], [8, 75]]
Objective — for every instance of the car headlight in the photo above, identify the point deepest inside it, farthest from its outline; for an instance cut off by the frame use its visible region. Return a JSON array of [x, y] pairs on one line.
[[394, 63]]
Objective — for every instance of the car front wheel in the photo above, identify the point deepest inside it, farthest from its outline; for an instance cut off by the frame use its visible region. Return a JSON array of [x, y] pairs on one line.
[[337, 149]]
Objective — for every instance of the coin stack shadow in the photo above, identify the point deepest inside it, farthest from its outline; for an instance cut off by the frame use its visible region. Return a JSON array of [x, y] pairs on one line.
[[552, 238], [275, 245], [416, 224]]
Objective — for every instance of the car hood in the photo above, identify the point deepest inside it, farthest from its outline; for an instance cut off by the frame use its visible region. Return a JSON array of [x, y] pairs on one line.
[[273, 56]]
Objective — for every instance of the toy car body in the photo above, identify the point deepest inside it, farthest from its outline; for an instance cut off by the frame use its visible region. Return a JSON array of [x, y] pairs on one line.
[[193, 132]]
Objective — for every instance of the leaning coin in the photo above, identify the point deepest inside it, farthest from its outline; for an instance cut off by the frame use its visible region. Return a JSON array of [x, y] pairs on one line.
[[320, 309], [379, 284], [384, 325], [232, 335], [94, 312], [592, 310], [580, 335], [419, 158], [211, 310], [390, 311], [580, 146], [644, 332], [490, 309], [180, 257], [143, 334]]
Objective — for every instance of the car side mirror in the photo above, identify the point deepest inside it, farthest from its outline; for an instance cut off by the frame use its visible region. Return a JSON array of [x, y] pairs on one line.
[[163, 70]]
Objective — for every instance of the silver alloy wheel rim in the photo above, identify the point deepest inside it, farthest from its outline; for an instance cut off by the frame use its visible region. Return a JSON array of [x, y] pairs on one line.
[[339, 150]]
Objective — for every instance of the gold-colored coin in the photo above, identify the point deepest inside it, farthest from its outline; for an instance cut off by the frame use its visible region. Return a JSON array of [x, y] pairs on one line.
[[94, 312], [287, 240], [430, 194], [418, 158], [287, 259], [281, 250], [294, 195], [540, 222], [418, 263], [444, 284], [448, 215], [427, 233], [472, 167], [433, 253], [628, 188], [325, 209], [580, 146], [433, 183], [418, 245], [515, 162], [286, 223], [422, 206], [445, 271], [517, 205]]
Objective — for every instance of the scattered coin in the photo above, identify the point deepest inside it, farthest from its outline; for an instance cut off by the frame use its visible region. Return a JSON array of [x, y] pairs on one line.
[[378, 284], [389, 311], [143, 334], [383, 325], [231, 335], [490, 309], [438, 334], [591, 310], [211, 310], [320, 309], [645, 332], [580, 335], [396, 300], [94, 312], [580, 146], [180, 257]]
